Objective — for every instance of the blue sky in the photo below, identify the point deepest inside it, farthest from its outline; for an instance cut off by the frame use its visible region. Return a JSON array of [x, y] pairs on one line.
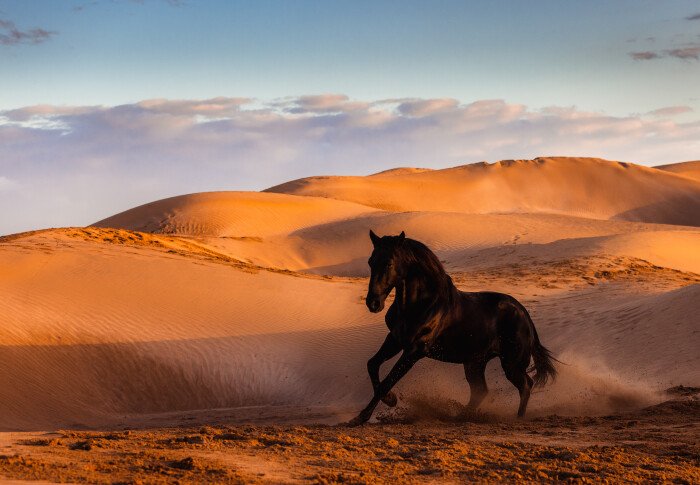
[[539, 53], [305, 87]]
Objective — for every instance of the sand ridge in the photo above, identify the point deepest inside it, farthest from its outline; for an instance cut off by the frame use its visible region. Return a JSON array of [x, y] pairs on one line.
[[584, 187], [685, 169], [232, 213]]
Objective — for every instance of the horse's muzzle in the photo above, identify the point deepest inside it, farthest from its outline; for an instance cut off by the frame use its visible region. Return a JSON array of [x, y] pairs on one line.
[[375, 304]]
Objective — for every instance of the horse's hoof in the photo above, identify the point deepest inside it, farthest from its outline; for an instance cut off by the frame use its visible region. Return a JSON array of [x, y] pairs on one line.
[[356, 421], [390, 399]]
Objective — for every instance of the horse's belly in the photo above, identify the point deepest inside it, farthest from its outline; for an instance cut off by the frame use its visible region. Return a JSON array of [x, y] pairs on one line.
[[459, 346], [449, 358], [449, 352]]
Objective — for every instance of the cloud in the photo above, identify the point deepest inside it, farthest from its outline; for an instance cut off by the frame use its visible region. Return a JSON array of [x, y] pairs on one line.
[[685, 53], [670, 111], [210, 108], [693, 17], [427, 106], [688, 52], [644, 55], [11, 35], [43, 111], [321, 103], [78, 164]]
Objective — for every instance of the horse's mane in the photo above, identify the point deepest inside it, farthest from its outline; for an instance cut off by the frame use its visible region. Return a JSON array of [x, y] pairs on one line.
[[415, 252]]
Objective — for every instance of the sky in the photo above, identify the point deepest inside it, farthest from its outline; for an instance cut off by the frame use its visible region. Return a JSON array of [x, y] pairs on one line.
[[109, 104]]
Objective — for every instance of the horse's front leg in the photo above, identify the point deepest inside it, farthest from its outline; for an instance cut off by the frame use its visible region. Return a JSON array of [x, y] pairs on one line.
[[402, 366], [389, 348]]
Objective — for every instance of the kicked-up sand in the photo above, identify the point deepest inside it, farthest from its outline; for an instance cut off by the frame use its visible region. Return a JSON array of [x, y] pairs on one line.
[[223, 336]]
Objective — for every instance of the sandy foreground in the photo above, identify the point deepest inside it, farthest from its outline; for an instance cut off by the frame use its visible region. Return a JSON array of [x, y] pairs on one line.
[[223, 336], [658, 443]]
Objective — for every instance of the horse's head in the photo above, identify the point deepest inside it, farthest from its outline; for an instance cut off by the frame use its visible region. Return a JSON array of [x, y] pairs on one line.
[[385, 267]]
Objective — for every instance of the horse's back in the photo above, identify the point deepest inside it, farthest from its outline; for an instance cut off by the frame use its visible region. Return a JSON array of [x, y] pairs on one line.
[[499, 315], [491, 303]]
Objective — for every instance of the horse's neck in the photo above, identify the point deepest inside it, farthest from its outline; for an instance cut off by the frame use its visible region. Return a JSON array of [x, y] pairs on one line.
[[418, 289]]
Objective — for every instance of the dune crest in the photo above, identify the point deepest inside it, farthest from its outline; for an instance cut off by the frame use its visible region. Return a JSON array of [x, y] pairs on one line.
[[583, 187], [685, 169], [400, 171], [232, 214]]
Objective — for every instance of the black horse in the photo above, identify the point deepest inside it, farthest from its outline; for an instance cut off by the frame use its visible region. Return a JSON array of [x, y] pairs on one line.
[[431, 318]]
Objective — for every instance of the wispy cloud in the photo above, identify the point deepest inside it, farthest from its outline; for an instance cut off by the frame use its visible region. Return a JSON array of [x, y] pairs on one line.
[[687, 52], [423, 107], [644, 55], [320, 103], [78, 164], [214, 107], [693, 17], [670, 111], [11, 35]]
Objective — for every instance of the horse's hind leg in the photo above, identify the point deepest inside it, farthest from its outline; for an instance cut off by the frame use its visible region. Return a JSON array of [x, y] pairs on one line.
[[475, 374], [388, 349], [516, 372]]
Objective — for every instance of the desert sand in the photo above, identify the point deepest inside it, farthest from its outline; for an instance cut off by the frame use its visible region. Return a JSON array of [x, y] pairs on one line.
[[685, 169], [227, 331]]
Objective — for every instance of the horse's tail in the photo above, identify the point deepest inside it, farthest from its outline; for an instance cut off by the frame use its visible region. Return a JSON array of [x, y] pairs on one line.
[[543, 361]]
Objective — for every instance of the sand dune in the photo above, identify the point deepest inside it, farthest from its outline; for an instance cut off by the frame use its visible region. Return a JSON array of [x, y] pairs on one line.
[[237, 214], [590, 188], [341, 248], [686, 169], [101, 332], [309, 234], [93, 330], [228, 300]]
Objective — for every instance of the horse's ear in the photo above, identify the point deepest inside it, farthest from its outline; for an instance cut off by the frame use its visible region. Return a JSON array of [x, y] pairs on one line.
[[375, 239], [402, 236]]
